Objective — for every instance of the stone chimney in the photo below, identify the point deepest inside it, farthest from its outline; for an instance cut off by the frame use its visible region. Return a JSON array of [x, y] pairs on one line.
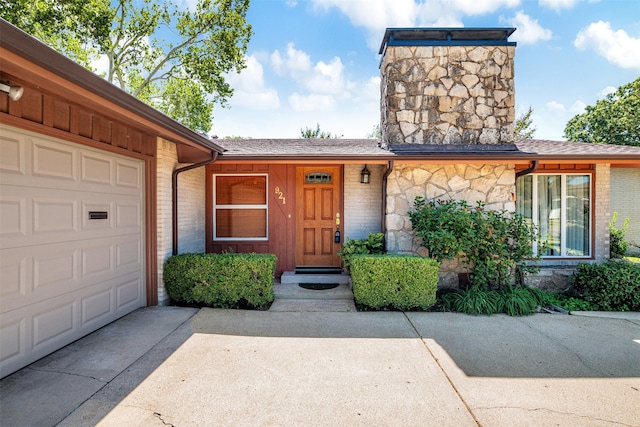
[[446, 86]]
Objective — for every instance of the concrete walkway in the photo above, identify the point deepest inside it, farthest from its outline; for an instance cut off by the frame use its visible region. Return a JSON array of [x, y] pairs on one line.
[[178, 366]]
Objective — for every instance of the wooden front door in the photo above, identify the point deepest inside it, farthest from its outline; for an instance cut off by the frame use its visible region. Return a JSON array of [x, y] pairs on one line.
[[318, 215]]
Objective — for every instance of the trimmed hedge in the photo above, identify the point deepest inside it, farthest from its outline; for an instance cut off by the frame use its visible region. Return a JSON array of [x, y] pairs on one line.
[[612, 285], [399, 282], [221, 280]]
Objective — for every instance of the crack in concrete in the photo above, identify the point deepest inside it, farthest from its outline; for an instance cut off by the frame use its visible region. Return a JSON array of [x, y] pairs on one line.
[[455, 389], [485, 408], [54, 371], [159, 416]]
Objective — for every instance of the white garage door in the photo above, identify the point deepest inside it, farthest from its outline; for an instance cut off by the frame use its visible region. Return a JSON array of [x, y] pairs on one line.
[[71, 243]]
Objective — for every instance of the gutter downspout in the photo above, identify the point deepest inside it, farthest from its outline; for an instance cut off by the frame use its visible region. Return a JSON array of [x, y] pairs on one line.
[[174, 196], [532, 168], [383, 225]]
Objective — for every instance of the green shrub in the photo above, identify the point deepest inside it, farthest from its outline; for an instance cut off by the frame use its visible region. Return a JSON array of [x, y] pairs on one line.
[[374, 244], [221, 280], [611, 286], [494, 245], [618, 246], [399, 282], [512, 300], [570, 302]]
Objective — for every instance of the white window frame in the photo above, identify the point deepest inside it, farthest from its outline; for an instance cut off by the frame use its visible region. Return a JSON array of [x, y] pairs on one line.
[[563, 212], [265, 206]]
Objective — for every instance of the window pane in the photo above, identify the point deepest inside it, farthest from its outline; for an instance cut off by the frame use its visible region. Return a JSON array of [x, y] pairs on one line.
[[241, 223], [318, 178], [549, 206], [241, 190], [578, 215], [524, 197]]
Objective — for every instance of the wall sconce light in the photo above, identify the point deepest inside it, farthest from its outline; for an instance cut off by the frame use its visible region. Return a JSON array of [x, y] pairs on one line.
[[15, 92], [365, 175]]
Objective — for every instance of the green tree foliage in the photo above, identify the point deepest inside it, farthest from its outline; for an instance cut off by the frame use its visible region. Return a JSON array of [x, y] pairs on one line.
[[375, 132], [317, 133], [170, 57], [524, 128], [76, 28], [613, 120]]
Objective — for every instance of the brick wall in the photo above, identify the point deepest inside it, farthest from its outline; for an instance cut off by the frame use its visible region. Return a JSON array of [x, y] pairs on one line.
[[362, 202], [626, 204], [191, 209], [603, 213]]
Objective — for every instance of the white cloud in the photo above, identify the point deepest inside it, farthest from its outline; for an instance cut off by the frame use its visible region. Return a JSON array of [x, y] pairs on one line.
[[606, 91], [577, 107], [311, 102], [617, 47], [555, 106], [529, 31], [475, 7], [327, 78], [295, 63], [377, 15], [558, 5], [249, 88]]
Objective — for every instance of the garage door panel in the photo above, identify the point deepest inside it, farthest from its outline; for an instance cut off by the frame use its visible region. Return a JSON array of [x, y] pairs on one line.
[[97, 169], [59, 321], [12, 216], [52, 163], [52, 322], [12, 153], [13, 276], [51, 160], [48, 215], [33, 274], [54, 215], [13, 340]]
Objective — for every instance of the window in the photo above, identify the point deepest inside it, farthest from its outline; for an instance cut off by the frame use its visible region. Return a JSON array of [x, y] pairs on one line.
[[560, 205], [240, 207]]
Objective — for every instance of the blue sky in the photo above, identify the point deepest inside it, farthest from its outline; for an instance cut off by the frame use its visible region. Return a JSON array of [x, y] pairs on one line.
[[316, 61]]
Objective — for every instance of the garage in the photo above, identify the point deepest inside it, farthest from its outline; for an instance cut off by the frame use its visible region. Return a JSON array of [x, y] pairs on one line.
[[71, 242]]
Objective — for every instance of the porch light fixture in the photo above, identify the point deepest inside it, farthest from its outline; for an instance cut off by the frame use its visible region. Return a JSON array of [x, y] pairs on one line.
[[365, 175], [15, 92]]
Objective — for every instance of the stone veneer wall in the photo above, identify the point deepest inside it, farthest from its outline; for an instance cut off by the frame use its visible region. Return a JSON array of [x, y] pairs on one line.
[[491, 184], [447, 95], [191, 210]]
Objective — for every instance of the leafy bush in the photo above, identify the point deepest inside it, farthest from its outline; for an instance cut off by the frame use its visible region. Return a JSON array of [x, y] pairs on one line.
[[399, 282], [221, 280], [617, 245], [374, 244], [494, 245], [611, 286], [570, 303], [512, 300]]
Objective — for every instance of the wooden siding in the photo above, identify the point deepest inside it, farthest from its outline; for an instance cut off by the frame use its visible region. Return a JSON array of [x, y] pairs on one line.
[[55, 113], [281, 213]]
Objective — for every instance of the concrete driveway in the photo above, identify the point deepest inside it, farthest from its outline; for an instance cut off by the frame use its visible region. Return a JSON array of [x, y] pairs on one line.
[[187, 367]]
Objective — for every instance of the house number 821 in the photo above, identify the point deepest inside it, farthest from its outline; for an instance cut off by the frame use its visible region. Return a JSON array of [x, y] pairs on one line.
[[280, 195]]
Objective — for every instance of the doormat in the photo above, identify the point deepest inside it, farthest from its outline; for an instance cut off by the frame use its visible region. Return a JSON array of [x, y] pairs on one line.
[[318, 286]]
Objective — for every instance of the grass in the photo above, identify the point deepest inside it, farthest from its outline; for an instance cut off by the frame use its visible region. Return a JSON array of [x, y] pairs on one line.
[[634, 259]]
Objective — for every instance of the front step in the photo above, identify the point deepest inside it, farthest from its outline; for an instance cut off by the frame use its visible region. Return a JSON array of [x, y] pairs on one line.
[[289, 296], [290, 277]]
